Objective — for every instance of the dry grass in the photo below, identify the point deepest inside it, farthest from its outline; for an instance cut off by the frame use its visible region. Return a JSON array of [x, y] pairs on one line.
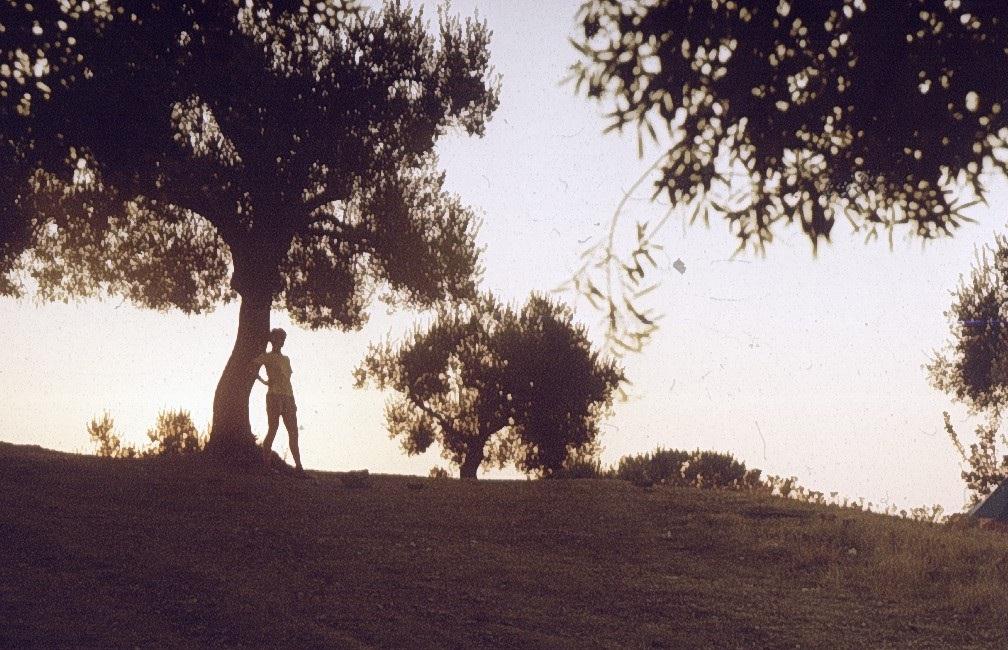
[[881, 557], [153, 553]]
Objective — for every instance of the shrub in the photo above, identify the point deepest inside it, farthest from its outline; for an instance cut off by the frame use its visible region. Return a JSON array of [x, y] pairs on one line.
[[708, 469], [780, 486], [752, 479], [930, 514], [580, 468], [174, 434], [438, 472], [660, 466], [713, 469], [634, 468], [109, 445]]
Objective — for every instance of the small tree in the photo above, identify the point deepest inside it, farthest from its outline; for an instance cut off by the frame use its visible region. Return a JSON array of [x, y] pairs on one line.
[[973, 366], [174, 434], [108, 444], [559, 386], [493, 385]]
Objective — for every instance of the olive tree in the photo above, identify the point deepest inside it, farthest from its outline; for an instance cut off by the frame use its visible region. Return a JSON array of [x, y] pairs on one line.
[[280, 153], [492, 385], [972, 367]]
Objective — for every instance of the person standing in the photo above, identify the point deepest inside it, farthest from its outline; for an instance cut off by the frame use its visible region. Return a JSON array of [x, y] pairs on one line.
[[279, 395]]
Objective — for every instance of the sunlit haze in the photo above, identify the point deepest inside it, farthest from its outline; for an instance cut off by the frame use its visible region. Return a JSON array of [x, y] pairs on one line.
[[798, 365]]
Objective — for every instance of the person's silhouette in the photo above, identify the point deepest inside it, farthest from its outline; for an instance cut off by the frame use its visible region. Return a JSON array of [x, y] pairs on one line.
[[279, 395]]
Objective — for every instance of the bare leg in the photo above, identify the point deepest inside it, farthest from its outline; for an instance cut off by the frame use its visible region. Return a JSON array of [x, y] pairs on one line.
[[274, 424], [290, 423]]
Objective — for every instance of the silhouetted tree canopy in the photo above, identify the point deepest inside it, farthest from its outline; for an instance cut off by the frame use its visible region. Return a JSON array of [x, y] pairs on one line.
[[972, 368], [493, 385], [864, 110], [184, 153]]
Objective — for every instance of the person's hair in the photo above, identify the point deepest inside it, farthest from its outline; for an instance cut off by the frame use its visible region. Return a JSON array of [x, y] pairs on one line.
[[277, 333]]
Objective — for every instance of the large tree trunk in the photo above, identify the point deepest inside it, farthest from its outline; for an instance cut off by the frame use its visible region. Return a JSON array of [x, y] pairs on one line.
[[231, 436], [472, 461]]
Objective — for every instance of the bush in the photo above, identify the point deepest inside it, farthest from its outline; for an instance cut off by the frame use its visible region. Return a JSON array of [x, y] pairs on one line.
[[782, 487], [714, 470], [580, 468], [930, 514], [174, 434], [709, 469], [438, 472], [752, 479], [109, 445], [660, 466]]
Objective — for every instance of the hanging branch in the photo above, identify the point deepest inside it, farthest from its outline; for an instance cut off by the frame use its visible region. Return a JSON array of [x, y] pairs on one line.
[[629, 324]]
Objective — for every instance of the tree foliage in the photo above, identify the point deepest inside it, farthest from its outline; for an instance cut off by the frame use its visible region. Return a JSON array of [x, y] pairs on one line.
[[107, 442], [972, 367], [702, 469], [159, 150], [491, 383], [839, 107], [987, 468], [773, 112], [173, 434]]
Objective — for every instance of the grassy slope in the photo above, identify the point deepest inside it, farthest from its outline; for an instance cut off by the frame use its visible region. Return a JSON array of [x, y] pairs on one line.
[[100, 552]]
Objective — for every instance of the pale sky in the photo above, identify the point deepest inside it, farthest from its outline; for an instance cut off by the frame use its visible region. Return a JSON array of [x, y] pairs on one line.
[[802, 366]]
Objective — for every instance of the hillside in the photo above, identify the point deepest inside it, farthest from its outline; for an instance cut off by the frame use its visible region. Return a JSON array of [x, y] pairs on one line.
[[151, 553]]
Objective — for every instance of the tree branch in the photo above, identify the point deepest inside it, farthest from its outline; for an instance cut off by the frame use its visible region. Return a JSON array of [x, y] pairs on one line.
[[327, 196], [342, 231], [443, 421], [209, 205]]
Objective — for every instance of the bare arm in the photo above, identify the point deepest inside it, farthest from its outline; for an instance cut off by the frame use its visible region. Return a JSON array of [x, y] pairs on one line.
[[253, 369]]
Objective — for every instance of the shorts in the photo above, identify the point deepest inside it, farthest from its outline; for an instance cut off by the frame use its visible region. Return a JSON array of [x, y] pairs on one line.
[[279, 405]]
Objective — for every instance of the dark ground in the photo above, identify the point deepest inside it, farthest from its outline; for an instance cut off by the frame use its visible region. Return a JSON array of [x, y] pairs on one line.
[[156, 553]]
